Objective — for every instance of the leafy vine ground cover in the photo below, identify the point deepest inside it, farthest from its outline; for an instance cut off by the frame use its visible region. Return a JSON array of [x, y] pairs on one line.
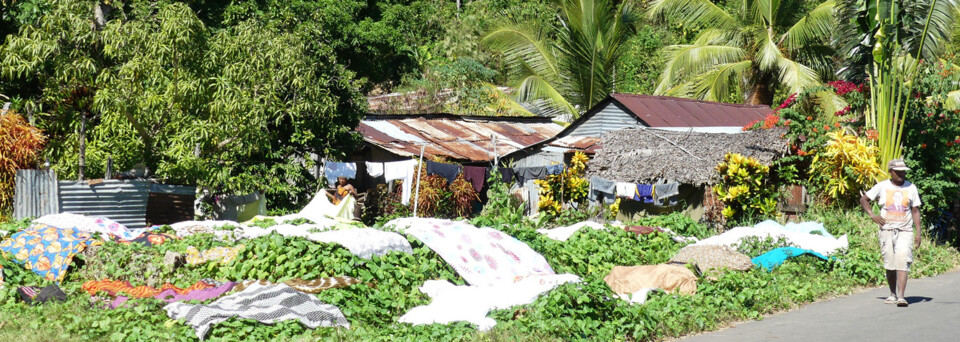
[[584, 311]]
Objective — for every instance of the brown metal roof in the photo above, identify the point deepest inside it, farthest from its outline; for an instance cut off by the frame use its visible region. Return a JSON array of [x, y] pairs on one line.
[[460, 138], [582, 143], [663, 111]]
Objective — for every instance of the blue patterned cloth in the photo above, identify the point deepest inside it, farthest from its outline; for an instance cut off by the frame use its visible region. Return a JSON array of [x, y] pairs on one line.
[[46, 250]]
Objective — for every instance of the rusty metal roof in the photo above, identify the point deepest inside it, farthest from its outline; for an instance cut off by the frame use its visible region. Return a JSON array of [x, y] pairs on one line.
[[461, 138], [663, 111], [581, 143]]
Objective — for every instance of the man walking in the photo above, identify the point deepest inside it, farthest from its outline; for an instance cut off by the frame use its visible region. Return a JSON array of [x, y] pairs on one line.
[[899, 222]]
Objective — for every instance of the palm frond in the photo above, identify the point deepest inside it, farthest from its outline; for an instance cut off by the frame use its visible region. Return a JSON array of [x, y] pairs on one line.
[[520, 45], [790, 73], [816, 25], [715, 84], [534, 87], [685, 62], [692, 13]]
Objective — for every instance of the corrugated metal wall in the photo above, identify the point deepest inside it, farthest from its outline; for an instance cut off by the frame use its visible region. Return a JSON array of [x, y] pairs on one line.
[[170, 204], [610, 118], [124, 201], [35, 194]]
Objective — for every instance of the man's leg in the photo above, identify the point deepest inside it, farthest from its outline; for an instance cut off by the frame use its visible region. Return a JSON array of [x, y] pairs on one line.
[[892, 281], [901, 283]]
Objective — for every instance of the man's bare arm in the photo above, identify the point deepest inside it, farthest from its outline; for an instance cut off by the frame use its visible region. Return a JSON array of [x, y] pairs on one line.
[[865, 204], [916, 227]]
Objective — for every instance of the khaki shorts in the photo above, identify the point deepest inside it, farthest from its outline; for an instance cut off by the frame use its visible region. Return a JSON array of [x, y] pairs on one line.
[[896, 246]]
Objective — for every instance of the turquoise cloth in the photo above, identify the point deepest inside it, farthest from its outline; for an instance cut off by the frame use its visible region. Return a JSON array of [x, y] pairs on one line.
[[776, 257]]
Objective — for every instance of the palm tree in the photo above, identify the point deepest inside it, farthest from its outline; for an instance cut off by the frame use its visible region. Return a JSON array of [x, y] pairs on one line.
[[753, 48], [572, 66]]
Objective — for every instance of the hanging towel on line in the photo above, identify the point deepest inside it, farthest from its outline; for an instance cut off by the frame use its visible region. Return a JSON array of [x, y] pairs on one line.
[[602, 189], [626, 190], [447, 171], [644, 193], [506, 175], [333, 170], [403, 170], [665, 193], [374, 169], [555, 169], [476, 175], [529, 173]]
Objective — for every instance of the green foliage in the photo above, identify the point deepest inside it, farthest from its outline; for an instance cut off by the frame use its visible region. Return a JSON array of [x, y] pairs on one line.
[[745, 188], [747, 47], [501, 206], [678, 223], [194, 104], [754, 246], [558, 192], [932, 144], [572, 65]]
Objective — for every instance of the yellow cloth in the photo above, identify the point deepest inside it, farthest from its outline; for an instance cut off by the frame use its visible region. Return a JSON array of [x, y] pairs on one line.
[[222, 254], [669, 278]]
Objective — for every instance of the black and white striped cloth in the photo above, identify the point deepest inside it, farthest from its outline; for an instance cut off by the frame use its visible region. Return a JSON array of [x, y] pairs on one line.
[[264, 303]]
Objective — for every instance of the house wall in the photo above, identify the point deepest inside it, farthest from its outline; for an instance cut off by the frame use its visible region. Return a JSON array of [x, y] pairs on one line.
[[610, 118]]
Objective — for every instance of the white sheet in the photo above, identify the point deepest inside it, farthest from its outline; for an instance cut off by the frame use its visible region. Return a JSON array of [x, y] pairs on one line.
[[817, 243], [564, 233]]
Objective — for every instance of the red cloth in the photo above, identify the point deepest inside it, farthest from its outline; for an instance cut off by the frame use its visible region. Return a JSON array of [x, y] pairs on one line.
[[477, 175]]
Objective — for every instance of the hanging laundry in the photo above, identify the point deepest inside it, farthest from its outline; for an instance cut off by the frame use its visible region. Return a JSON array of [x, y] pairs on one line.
[[312, 286], [46, 250], [525, 174], [665, 193], [644, 193], [626, 190], [476, 175], [555, 169], [506, 175], [374, 169], [402, 170], [602, 190], [776, 257], [334, 170], [264, 303], [447, 171]]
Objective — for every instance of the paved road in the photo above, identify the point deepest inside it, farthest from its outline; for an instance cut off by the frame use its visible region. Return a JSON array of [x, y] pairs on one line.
[[933, 315]]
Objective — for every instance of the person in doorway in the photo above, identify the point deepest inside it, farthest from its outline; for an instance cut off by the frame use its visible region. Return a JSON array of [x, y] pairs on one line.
[[343, 189], [899, 222]]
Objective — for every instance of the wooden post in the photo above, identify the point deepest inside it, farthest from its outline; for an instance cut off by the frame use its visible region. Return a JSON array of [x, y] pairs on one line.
[[417, 194]]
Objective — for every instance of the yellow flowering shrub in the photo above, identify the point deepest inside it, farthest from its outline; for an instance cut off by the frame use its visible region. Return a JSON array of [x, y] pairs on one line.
[[844, 166], [570, 186], [743, 187]]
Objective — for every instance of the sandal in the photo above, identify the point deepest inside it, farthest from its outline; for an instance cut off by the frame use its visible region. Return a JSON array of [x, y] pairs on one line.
[[902, 303], [890, 300]]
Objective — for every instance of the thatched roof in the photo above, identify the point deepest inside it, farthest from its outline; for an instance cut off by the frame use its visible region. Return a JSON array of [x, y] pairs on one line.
[[641, 155]]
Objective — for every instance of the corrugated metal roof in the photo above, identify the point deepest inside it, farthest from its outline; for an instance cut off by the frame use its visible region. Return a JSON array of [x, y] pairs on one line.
[[663, 111], [585, 144], [457, 137]]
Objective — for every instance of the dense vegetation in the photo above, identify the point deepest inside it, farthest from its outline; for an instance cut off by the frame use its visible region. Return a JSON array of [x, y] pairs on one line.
[[584, 311]]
